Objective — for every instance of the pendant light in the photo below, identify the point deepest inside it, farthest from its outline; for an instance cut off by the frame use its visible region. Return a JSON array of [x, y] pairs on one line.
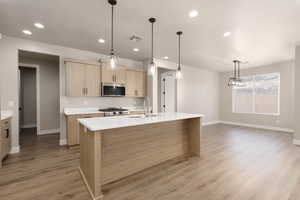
[[232, 80], [235, 80], [152, 63], [179, 72], [113, 58]]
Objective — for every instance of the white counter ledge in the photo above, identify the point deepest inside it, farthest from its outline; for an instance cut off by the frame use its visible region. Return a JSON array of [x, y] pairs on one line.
[[5, 114], [98, 124], [82, 111]]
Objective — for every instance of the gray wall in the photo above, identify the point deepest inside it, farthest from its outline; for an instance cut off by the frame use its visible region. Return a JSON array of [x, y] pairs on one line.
[[9, 47], [28, 97], [297, 95], [286, 70], [49, 90]]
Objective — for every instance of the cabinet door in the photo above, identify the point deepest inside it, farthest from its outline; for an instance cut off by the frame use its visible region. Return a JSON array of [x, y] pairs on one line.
[[140, 84], [75, 79], [107, 74], [120, 74], [130, 83], [92, 80]]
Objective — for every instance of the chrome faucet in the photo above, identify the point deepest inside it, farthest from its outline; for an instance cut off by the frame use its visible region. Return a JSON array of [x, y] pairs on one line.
[[147, 106]]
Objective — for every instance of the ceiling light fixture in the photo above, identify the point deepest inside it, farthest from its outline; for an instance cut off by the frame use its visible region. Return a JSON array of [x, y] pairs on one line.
[[113, 58], [152, 63], [166, 57], [27, 32], [136, 49], [39, 25], [235, 81], [179, 72], [227, 34], [101, 41], [193, 13]]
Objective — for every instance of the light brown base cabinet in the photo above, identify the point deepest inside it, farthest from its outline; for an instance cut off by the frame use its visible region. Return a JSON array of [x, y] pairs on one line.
[[5, 138], [111, 155], [73, 127]]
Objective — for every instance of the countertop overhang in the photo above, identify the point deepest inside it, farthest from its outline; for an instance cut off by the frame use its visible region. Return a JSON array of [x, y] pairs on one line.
[[105, 123], [5, 114]]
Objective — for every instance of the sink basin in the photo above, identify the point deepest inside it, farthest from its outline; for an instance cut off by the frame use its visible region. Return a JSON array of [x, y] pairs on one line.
[[137, 116], [142, 116]]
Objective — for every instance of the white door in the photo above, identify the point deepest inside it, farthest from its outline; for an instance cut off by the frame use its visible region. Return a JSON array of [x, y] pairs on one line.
[[168, 91]]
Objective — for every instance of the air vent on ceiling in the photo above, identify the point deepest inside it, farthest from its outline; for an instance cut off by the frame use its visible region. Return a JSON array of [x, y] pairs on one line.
[[135, 38]]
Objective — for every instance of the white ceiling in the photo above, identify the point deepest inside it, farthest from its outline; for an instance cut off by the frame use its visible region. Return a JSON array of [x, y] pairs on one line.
[[263, 31]]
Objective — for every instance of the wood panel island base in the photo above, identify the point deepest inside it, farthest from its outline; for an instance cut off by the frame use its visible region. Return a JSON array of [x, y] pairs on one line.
[[113, 148]]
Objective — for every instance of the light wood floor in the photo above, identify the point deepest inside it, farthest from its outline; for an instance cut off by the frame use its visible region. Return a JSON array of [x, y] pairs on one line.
[[236, 164]]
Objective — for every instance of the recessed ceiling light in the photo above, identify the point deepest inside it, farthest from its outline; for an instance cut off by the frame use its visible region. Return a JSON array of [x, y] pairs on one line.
[[193, 13], [39, 25], [227, 34], [135, 49], [101, 40], [166, 57], [27, 32]]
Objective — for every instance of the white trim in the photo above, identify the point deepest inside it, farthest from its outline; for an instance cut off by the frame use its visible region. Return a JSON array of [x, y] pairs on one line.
[[48, 131], [210, 123], [296, 142], [14, 150], [258, 126], [29, 126], [37, 67], [62, 142]]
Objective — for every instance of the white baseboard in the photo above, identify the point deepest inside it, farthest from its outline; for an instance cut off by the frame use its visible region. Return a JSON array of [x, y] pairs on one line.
[[29, 126], [259, 126], [48, 131], [210, 123], [62, 142], [14, 150], [296, 142]]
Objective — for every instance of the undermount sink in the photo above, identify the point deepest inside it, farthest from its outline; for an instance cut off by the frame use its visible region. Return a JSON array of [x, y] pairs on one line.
[[142, 116]]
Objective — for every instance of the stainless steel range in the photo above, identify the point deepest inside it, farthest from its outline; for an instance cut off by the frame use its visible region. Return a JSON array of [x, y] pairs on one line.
[[114, 111]]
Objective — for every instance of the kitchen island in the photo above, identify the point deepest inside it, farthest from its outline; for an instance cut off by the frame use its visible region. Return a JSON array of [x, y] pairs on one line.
[[113, 148]]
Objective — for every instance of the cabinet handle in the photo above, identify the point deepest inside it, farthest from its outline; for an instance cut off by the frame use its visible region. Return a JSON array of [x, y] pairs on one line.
[[87, 91], [7, 133]]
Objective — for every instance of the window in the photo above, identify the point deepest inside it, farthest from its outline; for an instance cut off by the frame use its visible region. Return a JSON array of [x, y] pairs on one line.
[[258, 94]]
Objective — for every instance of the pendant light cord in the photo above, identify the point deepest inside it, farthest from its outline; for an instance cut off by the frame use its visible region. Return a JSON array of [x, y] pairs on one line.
[[112, 30], [179, 33], [152, 41], [179, 52]]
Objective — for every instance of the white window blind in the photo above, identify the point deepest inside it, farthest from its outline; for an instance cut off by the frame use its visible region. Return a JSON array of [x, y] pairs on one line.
[[258, 94]]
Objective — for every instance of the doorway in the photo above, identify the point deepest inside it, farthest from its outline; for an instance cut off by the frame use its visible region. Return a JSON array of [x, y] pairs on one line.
[[39, 99], [167, 90]]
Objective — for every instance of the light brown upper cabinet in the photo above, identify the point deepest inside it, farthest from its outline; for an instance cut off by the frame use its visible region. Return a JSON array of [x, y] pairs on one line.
[[83, 79], [117, 75], [135, 83]]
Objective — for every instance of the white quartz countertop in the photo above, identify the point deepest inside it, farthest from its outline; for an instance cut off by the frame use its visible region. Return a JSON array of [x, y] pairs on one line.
[[92, 110], [6, 114], [104, 123], [81, 111]]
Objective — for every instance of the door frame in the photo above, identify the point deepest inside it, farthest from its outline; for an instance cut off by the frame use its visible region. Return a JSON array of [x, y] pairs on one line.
[[37, 68]]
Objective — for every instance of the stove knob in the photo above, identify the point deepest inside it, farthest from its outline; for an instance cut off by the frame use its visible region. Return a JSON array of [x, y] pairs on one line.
[[114, 113]]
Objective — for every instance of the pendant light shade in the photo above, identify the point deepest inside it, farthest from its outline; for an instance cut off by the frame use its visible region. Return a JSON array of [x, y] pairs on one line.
[[113, 58], [179, 72], [152, 63]]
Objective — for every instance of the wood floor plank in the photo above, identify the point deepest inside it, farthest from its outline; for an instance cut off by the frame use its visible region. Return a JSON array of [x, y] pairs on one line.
[[236, 164]]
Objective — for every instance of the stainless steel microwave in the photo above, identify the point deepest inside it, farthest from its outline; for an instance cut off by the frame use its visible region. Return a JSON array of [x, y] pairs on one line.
[[113, 90]]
